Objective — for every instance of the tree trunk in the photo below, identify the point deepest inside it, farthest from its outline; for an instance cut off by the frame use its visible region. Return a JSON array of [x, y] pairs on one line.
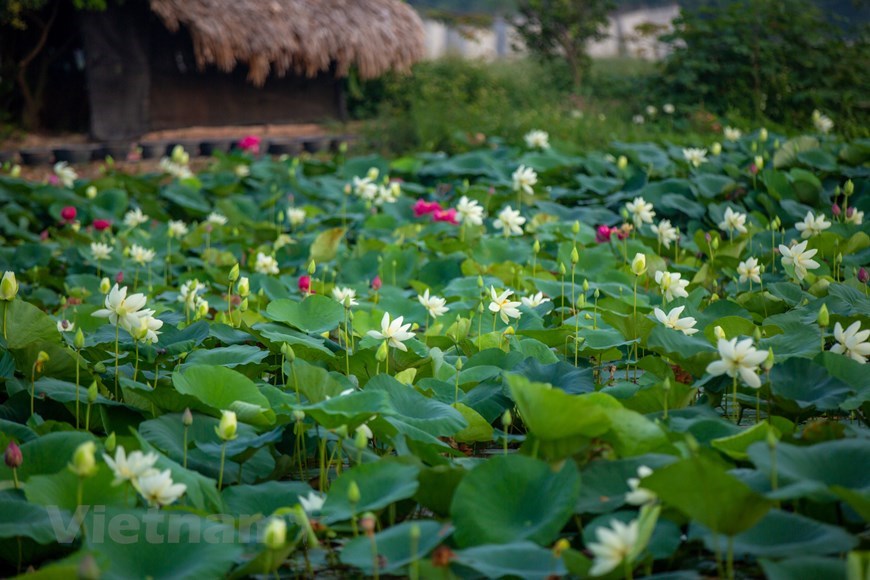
[[33, 102]]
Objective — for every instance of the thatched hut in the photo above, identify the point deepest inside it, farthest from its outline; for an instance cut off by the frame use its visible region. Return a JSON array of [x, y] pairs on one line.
[[176, 63]]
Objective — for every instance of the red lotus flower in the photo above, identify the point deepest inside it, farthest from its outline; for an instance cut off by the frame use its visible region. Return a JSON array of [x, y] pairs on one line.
[[603, 233], [68, 213], [445, 215], [251, 144], [376, 283], [101, 225], [863, 275], [13, 457], [836, 211], [305, 284], [423, 207]]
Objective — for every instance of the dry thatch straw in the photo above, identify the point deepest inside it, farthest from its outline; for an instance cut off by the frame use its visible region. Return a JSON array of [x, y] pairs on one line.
[[302, 36]]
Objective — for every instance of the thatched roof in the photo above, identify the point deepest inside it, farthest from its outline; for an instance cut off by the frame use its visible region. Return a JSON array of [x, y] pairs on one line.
[[301, 36]]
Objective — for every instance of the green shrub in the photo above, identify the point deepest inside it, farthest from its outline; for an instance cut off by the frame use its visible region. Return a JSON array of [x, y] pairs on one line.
[[773, 59]]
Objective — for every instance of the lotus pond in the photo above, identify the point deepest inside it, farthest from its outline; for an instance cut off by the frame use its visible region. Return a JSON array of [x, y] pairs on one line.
[[514, 362]]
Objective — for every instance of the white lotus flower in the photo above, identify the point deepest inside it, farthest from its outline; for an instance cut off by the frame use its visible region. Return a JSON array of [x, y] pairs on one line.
[[122, 310], [852, 342], [148, 329], [395, 333], [524, 179], [65, 326], [639, 495], [854, 217], [613, 545], [821, 122], [641, 211], [534, 300], [738, 359], [666, 233], [100, 251], [672, 320], [158, 489], [694, 156], [505, 308], [651, 110], [435, 305], [812, 225], [388, 194], [66, 174], [177, 228], [312, 503], [749, 270], [130, 467], [296, 216], [537, 139], [365, 430], [141, 255], [365, 188], [668, 108], [510, 222], [134, 218], [216, 219], [672, 285], [266, 264], [187, 293], [638, 120], [469, 211], [732, 133], [345, 296], [242, 171], [733, 221], [799, 257]]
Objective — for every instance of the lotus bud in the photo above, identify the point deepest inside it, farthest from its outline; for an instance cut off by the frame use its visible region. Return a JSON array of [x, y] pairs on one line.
[[715, 243], [373, 173], [863, 276], [234, 273], [13, 457], [244, 286], [84, 462], [622, 162], [353, 493], [8, 286], [480, 308], [753, 147], [15, 171], [823, 318], [835, 210], [243, 306], [506, 418], [105, 286], [360, 440], [381, 354], [638, 264], [624, 213], [298, 416], [536, 247], [275, 535], [560, 546], [762, 135], [91, 192], [187, 417], [341, 431], [585, 285], [228, 426], [575, 256], [288, 352], [79, 339], [312, 268], [849, 188], [562, 269], [368, 524], [719, 333], [772, 440], [88, 568], [716, 149], [759, 162], [575, 227], [768, 362], [459, 364], [480, 281], [596, 294], [111, 442], [92, 391], [756, 334]]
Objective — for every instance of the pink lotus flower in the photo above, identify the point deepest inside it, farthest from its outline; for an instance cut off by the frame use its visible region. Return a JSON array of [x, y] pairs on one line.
[[101, 225], [119, 279], [835, 210], [53, 180], [863, 275], [68, 213], [376, 283], [603, 233], [251, 144], [423, 207], [305, 284], [445, 215]]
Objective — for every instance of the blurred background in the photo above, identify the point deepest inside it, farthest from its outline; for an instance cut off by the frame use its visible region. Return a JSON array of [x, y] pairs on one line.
[[433, 74]]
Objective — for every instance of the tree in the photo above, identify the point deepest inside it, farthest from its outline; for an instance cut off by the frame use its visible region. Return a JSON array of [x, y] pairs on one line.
[[38, 17], [553, 29]]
